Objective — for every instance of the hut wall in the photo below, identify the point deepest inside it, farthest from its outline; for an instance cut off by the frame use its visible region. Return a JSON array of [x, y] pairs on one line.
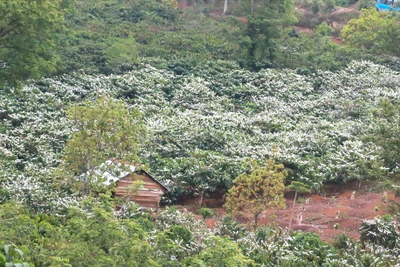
[[147, 197]]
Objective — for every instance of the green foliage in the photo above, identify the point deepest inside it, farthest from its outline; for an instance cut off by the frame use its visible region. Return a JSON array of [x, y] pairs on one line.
[[204, 126], [298, 187], [107, 36], [362, 162], [89, 235], [386, 133], [11, 256], [105, 129], [380, 231], [205, 119], [307, 53], [310, 242], [366, 4], [315, 6], [205, 212], [4, 195], [102, 37], [394, 209], [28, 38], [229, 227], [324, 29], [253, 193], [342, 241], [180, 233], [264, 27], [222, 252], [375, 32], [121, 51]]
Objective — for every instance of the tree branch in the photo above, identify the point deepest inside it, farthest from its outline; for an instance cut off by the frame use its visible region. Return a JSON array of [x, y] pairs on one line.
[[2, 34]]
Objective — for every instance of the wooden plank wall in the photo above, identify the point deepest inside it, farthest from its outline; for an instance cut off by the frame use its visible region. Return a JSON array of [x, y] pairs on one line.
[[147, 197]]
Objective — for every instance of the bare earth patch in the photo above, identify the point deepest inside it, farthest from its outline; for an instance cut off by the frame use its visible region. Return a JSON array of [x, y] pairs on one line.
[[323, 213], [319, 213]]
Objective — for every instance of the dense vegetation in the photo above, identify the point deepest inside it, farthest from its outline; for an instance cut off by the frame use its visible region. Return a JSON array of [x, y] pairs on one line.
[[91, 234], [203, 101], [203, 129]]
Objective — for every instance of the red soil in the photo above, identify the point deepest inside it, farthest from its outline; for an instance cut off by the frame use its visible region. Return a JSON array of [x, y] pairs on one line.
[[320, 213]]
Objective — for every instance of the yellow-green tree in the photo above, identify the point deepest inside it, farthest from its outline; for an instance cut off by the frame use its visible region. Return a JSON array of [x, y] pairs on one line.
[[253, 193], [105, 129], [376, 32]]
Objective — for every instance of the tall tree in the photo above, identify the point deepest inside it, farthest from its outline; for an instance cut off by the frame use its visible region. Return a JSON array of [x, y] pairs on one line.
[[105, 129], [28, 37], [253, 193], [266, 24]]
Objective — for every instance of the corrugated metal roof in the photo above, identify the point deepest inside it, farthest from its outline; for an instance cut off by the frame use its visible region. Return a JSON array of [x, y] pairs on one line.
[[114, 170]]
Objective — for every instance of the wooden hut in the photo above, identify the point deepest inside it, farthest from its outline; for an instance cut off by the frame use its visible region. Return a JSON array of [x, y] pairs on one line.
[[123, 175], [148, 196]]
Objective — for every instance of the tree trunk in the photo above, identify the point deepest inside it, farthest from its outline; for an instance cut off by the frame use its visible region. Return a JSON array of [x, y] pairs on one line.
[[225, 7], [255, 221], [252, 6], [201, 198], [291, 213]]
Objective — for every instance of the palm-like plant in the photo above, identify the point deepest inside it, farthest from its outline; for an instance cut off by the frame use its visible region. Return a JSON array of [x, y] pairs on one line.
[[298, 187]]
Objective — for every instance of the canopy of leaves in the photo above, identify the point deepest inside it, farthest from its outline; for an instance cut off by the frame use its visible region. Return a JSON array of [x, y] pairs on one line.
[[28, 37], [91, 234], [253, 193], [386, 134], [102, 130], [266, 24], [376, 32], [381, 232]]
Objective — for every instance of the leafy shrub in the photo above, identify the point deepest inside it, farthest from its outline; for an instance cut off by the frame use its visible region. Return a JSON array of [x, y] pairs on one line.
[[205, 212], [11, 256], [380, 231], [343, 241], [231, 228], [178, 232]]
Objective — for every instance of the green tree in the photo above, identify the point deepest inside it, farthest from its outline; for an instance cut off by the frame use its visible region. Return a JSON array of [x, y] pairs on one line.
[[253, 193], [376, 32], [358, 160], [221, 252], [265, 26], [28, 37], [298, 187], [105, 129], [379, 231], [387, 133]]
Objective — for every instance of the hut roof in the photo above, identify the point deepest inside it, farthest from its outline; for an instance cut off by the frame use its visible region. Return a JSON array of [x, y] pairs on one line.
[[114, 170]]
